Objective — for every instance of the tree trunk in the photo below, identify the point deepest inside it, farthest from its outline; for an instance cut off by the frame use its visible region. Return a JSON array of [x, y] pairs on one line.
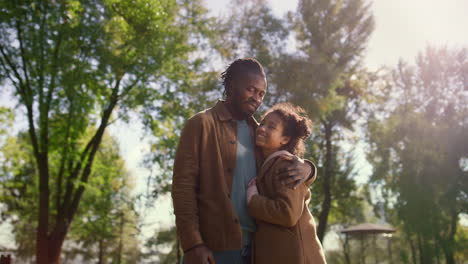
[[54, 253], [56, 241], [326, 205], [50, 253], [53, 245], [101, 252], [447, 244], [42, 248], [421, 249], [425, 250], [119, 256], [413, 250]]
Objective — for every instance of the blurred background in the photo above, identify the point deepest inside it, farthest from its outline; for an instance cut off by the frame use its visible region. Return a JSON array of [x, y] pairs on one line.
[[93, 95]]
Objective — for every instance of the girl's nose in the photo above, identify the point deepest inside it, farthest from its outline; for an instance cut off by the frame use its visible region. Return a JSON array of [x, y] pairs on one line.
[[260, 128]]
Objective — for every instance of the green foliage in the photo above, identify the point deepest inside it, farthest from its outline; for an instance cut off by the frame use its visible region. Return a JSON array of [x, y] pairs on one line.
[[105, 204], [347, 206], [252, 30], [417, 144], [76, 64], [331, 38], [325, 77], [166, 238], [18, 190], [6, 120], [107, 215], [461, 243]]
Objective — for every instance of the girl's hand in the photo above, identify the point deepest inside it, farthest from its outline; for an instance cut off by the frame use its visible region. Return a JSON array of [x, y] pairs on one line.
[[251, 189]]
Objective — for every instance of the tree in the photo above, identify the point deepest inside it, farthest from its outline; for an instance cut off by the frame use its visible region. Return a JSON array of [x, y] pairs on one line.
[[98, 220], [18, 191], [325, 77], [251, 29], [417, 135], [80, 62], [165, 238], [107, 227]]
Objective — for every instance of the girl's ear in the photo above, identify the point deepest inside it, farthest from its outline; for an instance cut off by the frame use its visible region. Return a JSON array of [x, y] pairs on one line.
[[285, 140]]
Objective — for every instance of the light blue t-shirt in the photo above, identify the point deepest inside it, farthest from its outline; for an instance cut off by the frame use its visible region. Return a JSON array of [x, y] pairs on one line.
[[245, 171]]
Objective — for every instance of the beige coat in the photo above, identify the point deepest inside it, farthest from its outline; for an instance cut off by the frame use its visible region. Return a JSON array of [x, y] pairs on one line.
[[285, 228]]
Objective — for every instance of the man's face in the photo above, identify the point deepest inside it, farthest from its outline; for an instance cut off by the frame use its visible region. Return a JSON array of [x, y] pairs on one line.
[[246, 94]]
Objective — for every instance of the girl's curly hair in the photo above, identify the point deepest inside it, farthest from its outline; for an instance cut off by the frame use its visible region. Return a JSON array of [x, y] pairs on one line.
[[296, 125]]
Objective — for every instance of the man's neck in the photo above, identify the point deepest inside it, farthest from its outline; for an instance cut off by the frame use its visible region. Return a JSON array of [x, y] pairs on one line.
[[235, 115]]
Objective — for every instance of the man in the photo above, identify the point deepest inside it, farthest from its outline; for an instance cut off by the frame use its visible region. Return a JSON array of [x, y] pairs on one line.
[[215, 160]]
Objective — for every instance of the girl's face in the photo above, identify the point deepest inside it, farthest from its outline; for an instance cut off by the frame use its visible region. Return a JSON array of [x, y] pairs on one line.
[[270, 134]]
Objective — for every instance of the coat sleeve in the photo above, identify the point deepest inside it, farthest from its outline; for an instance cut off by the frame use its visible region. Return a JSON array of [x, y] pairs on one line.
[[283, 208], [185, 183], [313, 173]]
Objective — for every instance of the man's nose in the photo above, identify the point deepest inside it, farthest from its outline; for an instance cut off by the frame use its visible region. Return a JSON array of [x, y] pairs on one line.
[[257, 98]]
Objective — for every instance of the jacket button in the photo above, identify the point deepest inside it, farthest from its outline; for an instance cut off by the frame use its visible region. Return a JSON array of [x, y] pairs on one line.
[[233, 142], [236, 220], [229, 170], [229, 195]]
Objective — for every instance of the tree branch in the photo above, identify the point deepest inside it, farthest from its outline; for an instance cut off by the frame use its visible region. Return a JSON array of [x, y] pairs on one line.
[[127, 89], [28, 102], [63, 161], [41, 44], [87, 157], [98, 138], [20, 84], [7, 70], [23, 55]]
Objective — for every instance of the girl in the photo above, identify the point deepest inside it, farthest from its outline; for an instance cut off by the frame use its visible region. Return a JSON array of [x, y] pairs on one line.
[[285, 228]]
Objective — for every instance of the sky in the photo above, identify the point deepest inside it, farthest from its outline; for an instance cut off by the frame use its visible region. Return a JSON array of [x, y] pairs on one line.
[[403, 28]]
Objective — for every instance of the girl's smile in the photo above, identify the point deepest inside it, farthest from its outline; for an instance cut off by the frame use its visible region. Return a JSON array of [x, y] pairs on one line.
[[269, 134]]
